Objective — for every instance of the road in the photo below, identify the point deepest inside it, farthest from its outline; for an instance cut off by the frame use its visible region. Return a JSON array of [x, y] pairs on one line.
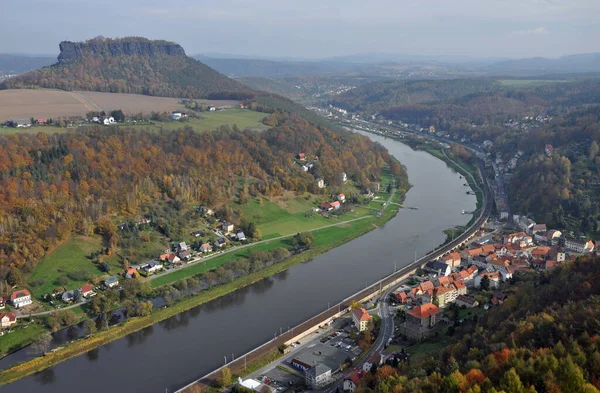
[[386, 331]]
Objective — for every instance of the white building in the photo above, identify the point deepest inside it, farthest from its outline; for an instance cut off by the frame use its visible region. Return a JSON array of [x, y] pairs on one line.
[[579, 246], [320, 183], [20, 298], [318, 376], [108, 121]]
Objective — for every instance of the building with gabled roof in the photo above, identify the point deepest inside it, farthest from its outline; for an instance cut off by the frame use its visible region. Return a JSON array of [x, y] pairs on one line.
[[20, 298], [361, 319]]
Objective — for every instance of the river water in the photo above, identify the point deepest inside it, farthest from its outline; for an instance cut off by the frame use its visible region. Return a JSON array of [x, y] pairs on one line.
[[185, 347]]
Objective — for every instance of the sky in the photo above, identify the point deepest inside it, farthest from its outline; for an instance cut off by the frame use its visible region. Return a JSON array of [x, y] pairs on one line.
[[313, 28]]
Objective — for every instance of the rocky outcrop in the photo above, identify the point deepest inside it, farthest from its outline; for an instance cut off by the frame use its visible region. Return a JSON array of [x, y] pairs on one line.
[[70, 51]]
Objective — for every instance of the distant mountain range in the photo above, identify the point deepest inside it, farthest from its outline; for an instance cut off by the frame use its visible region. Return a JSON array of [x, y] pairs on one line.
[[130, 65], [381, 64], [566, 64], [17, 64]]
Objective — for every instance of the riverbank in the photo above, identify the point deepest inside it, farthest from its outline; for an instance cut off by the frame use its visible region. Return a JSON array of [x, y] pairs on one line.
[[344, 233]]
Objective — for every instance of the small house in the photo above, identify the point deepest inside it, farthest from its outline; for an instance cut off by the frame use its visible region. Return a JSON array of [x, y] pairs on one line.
[[240, 236], [2, 304], [111, 282], [130, 273], [185, 255], [352, 380], [153, 266], [341, 198], [375, 360], [467, 301], [7, 319], [220, 242], [206, 247], [172, 258], [344, 177], [68, 296], [301, 156], [320, 183], [335, 205], [326, 207], [87, 290], [182, 246], [227, 227]]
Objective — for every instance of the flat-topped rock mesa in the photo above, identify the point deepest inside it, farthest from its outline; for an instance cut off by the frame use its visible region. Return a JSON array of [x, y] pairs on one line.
[[130, 46]]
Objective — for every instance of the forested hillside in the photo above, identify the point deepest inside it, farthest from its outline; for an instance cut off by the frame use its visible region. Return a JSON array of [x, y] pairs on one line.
[[562, 189], [544, 338], [376, 96], [54, 185], [131, 65]]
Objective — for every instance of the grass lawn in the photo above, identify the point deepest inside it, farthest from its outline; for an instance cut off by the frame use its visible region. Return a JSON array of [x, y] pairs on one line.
[[293, 203], [72, 255], [19, 337], [210, 121]]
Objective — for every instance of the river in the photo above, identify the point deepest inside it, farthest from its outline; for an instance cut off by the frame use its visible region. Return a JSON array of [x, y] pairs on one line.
[[185, 347]]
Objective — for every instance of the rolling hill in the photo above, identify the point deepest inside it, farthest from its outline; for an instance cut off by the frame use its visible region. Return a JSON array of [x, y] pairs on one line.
[[131, 65]]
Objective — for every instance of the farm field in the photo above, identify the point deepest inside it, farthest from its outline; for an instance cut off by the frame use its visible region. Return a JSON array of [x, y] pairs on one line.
[[210, 121], [45, 103], [73, 255]]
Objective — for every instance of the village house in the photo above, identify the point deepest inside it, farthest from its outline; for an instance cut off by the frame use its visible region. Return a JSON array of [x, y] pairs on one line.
[[41, 122], [438, 267], [468, 254], [185, 255], [498, 298], [493, 277], [301, 156], [341, 198], [400, 297], [69, 296], [453, 259], [336, 205], [220, 242], [420, 320], [361, 319], [540, 253], [2, 304], [326, 207], [130, 273], [7, 319], [108, 121], [467, 301], [206, 247], [111, 282], [579, 246], [344, 177], [423, 288], [352, 380], [182, 246], [375, 360], [318, 376], [227, 227], [320, 183], [21, 298], [87, 290], [240, 237], [538, 228], [172, 258], [196, 233], [153, 267]]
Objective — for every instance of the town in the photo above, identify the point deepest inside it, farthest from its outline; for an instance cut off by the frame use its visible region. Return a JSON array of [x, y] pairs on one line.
[[461, 285]]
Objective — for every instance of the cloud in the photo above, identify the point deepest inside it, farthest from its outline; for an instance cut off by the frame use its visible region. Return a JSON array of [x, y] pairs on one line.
[[538, 31]]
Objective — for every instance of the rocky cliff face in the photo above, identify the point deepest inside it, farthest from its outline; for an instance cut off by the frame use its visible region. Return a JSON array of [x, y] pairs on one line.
[[117, 47]]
